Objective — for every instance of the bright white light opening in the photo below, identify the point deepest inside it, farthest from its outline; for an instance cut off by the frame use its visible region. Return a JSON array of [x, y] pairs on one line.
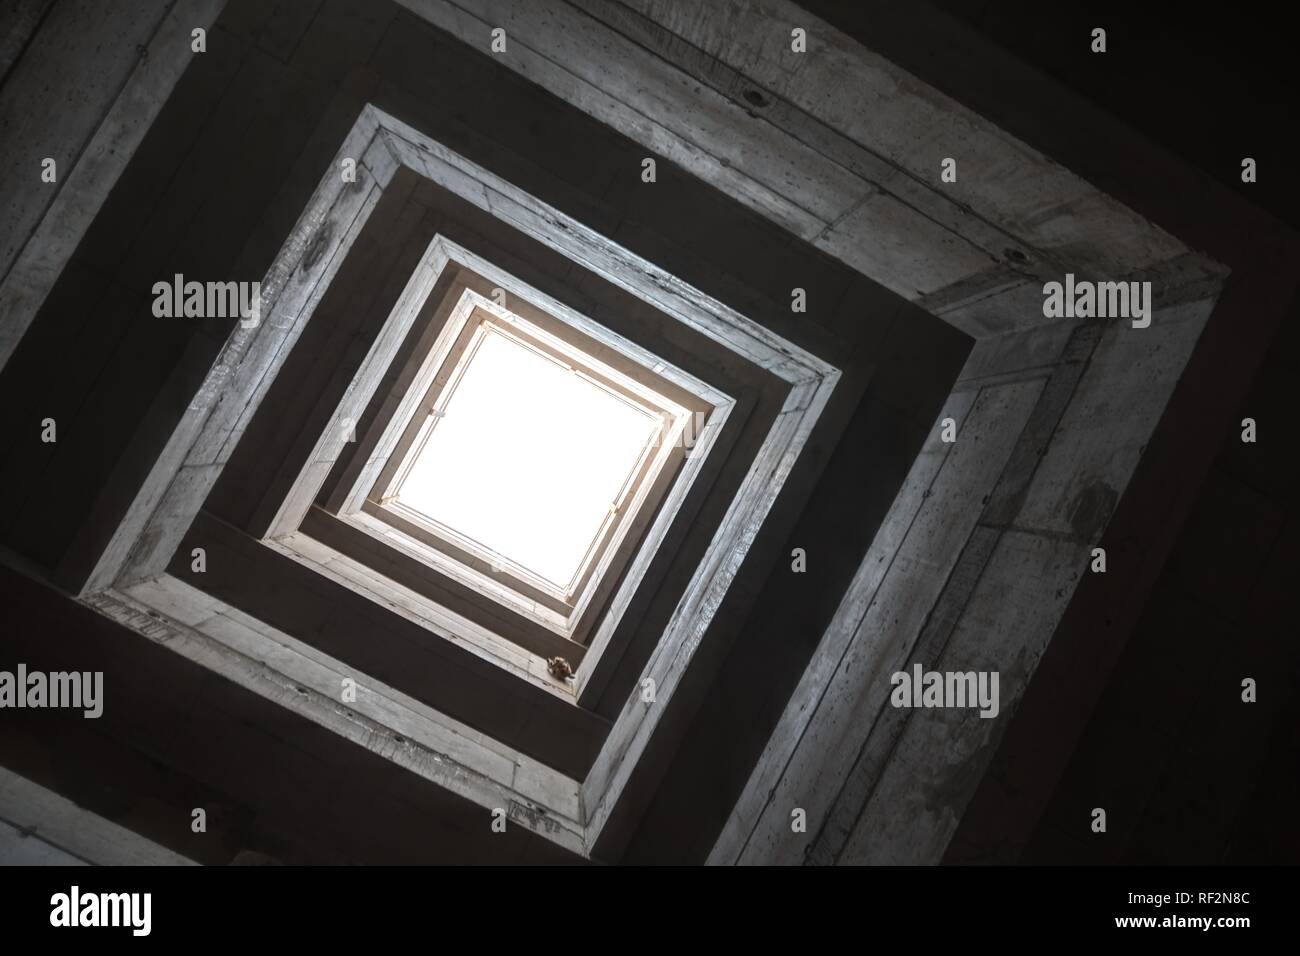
[[528, 458]]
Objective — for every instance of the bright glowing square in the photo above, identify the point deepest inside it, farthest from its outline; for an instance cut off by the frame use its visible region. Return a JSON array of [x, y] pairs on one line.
[[528, 458]]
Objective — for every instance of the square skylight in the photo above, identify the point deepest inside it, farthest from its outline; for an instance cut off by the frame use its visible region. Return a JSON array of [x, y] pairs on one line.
[[525, 463], [527, 457]]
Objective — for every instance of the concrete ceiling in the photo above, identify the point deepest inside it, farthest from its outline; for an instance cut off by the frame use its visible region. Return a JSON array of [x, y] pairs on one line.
[[978, 554]]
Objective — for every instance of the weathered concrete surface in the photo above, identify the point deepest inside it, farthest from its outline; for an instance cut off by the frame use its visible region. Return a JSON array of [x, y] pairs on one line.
[[863, 184], [883, 785], [281, 668], [41, 828], [913, 810], [18, 22], [118, 64], [201, 442], [1013, 816], [890, 600], [87, 49], [904, 123], [175, 736], [1050, 220], [807, 161], [751, 91]]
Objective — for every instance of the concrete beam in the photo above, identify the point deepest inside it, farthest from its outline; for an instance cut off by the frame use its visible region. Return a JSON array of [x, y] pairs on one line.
[[294, 674], [909, 810], [18, 22], [862, 185], [214, 420], [121, 62], [898, 583], [39, 827], [993, 550]]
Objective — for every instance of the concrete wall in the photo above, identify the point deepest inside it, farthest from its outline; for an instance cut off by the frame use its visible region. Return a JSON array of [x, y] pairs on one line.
[[972, 571], [1187, 772]]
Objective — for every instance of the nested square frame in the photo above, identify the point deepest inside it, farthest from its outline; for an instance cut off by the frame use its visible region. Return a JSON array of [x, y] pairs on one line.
[[446, 290], [130, 582], [461, 630], [385, 497]]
